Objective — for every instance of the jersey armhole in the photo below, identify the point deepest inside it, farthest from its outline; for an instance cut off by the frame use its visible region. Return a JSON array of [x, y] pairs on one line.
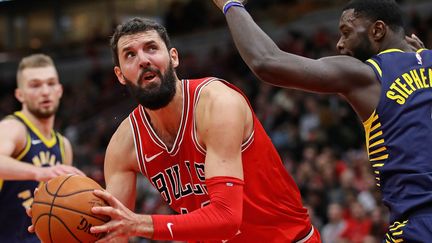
[[375, 66]]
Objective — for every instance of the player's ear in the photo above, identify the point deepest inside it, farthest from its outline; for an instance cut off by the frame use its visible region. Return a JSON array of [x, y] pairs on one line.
[[379, 30], [119, 75], [61, 90], [174, 57], [19, 95]]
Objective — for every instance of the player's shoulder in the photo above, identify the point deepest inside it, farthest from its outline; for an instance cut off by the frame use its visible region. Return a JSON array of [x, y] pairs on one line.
[[221, 101], [122, 137], [11, 125], [13, 134], [220, 91], [121, 147]]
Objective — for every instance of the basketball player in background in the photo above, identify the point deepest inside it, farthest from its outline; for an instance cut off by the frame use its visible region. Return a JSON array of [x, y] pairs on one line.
[[30, 150], [388, 85], [200, 145]]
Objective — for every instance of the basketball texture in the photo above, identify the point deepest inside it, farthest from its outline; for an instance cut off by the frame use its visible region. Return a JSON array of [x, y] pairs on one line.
[[61, 210]]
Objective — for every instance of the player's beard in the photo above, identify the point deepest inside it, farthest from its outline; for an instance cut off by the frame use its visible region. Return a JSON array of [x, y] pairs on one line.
[[154, 96], [43, 113], [364, 50]]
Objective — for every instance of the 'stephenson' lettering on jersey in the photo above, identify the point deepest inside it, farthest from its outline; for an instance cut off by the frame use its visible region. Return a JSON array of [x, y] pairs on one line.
[[398, 133], [272, 210], [405, 85]]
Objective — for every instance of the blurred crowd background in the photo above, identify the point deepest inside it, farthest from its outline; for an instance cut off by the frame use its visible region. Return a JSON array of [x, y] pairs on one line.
[[318, 136]]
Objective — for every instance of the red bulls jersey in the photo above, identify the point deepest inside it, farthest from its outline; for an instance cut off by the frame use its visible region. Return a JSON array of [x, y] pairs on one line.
[[272, 207]]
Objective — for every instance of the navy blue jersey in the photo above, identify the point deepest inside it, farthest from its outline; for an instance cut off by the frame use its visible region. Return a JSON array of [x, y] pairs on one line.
[[16, 196], [399, 132]]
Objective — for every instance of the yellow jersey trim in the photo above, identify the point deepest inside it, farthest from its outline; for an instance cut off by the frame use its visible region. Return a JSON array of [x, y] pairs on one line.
[[367, 126], [26, 149], [377, 67], [62, 148], [421, 49], [390, 50], [48, 142]]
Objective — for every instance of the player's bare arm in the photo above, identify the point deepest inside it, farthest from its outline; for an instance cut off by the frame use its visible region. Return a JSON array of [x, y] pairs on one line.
[[68, 151], [120, 177], [284, 69], [12, 143], [343, 75], [224, 121], [120, 166]]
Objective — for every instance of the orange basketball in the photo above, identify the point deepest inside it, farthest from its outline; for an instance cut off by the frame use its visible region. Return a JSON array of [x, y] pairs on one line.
[[61, 210]]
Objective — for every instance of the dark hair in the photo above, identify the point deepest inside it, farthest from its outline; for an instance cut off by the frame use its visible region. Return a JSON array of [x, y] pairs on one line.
[[134, 26], [386, 10]]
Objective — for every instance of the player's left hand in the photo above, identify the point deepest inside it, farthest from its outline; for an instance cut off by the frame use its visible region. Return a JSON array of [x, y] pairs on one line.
[[414, 42], [123, 224], [31, 228]]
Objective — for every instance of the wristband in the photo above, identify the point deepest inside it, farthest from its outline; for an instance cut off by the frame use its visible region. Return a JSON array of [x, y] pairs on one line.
[[231, 3]]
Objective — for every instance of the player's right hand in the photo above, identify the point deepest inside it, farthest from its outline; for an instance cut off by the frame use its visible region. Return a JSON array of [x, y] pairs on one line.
[[47, 173], [123, 222], [221, 3]]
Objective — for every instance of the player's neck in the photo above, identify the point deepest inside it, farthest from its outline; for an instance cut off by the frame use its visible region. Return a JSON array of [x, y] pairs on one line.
[[44, 125], [166, 121], [395, 43]]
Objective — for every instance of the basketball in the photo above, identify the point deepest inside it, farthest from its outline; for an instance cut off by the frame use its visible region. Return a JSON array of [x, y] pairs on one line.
[[61, 210]]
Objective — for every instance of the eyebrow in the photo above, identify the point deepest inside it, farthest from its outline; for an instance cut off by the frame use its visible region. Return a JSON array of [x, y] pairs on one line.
[[128, 47], [42, 80]]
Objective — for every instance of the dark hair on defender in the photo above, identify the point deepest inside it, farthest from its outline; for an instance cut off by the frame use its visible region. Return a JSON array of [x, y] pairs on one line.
[[386, 10], [134, 26]]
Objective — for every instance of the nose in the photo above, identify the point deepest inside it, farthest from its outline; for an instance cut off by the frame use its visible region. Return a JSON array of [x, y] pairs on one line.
[[144, 60], [45, 89], [340, 45]]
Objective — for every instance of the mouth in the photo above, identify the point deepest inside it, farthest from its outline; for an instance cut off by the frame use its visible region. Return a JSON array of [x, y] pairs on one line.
[[346, 52], [46, 103], [148, 76]]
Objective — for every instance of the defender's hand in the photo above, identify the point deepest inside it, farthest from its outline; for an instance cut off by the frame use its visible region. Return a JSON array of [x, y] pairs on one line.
[[47, 173], [221, 3], [414, 42], [31, 228]]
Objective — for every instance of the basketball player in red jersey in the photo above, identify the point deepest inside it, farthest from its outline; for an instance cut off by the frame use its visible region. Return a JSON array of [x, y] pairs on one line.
[[201, 146]]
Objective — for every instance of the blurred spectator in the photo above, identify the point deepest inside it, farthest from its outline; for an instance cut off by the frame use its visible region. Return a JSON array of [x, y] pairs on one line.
[[358, 225], [331, 231]]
